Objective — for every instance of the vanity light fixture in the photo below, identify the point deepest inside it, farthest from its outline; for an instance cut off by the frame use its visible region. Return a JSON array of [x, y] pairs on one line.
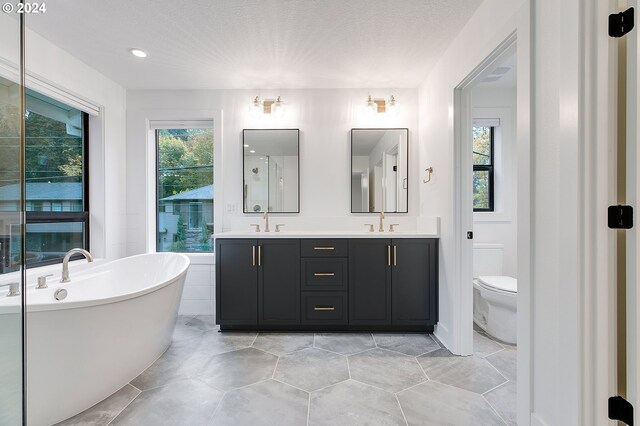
[[138, 52], [260, 107], [382, 106]]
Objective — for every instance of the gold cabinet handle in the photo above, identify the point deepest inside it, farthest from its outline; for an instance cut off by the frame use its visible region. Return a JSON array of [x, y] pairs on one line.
[[254, 255], [324, 308], [324, 248], [324, 274], [259, 255], [388, 255], [395, 255]]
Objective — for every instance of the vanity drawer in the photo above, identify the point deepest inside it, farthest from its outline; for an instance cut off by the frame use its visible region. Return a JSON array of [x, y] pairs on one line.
[[324, 247], [324, 308], [324, 274]]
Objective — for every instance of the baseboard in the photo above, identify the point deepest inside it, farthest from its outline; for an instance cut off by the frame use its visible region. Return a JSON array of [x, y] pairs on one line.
[[440, 332]]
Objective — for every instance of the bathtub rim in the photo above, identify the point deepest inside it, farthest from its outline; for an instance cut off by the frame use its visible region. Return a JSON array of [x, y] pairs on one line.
[[14, 308]]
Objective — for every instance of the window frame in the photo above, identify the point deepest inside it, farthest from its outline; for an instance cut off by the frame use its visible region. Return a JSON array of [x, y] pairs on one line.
[[40, 217], [490, 168]]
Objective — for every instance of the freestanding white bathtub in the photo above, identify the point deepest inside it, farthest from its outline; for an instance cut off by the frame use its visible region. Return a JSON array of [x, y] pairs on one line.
[[116, 320]]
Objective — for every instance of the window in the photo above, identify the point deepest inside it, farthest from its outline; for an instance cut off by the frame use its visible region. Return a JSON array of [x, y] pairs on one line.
[[56, 175], [483, 167], [184, 190]]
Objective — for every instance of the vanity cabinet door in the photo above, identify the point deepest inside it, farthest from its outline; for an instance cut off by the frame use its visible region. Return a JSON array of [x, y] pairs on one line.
[[414, 281], [369, 282], [236, 282], [279, 282]]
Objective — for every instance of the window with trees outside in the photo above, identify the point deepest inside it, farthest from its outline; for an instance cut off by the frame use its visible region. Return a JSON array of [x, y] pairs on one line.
[[483, 168], [56, 175], [184, 190]]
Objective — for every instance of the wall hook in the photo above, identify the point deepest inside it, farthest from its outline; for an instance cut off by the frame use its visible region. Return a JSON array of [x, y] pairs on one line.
[[428, 170]]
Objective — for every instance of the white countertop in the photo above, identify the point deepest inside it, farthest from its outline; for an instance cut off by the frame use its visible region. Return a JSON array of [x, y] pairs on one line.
[[323, 234]]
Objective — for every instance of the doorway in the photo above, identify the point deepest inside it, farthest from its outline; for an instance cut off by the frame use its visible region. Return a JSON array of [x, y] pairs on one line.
[[492, 201]]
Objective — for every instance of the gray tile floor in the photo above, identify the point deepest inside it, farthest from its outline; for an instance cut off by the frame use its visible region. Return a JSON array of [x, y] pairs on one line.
[[211, 378]]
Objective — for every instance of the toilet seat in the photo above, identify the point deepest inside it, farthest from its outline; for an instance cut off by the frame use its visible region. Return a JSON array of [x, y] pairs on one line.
[[499, 283]]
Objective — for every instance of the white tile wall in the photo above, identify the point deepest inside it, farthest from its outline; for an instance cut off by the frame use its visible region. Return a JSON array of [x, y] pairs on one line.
[[198, 296]]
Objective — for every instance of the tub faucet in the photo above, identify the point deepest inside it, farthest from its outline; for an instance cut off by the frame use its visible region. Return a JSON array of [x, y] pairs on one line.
[[266, 221], [65, 262], [381, 228]]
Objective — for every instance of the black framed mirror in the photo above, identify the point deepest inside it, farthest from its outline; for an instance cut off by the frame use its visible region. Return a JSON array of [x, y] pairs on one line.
[[271, 170], [380, 170]]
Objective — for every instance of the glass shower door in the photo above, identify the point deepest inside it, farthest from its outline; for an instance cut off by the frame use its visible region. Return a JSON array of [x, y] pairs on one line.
[[11, 221]]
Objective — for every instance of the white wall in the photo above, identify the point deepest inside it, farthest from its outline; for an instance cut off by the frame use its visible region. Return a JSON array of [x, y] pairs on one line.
[[500, 226], [436, 102], [61, 73], [324, 117]]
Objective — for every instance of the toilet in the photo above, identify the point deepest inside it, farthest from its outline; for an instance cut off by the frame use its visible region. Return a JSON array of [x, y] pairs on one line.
[[494, 294]]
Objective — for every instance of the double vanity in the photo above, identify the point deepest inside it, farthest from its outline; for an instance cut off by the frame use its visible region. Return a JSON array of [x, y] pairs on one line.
[[277, 281], [330, 282]]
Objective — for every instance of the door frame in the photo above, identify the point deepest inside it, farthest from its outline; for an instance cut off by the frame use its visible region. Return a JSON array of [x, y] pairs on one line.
[[517, 42]]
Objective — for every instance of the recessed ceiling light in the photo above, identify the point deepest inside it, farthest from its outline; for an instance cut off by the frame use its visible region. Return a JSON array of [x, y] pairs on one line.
[[139, 53], [252, 151], [246, 146]]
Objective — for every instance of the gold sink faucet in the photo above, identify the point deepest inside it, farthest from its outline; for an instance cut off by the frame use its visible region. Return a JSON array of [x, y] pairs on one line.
[[266, 221], [381, 228]]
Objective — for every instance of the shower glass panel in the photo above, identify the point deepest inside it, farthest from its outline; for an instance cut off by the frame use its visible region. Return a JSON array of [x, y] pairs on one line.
[[11, 233]]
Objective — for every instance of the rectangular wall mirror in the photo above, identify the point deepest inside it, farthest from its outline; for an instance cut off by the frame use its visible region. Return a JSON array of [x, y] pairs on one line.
[[379, 170], [271, 170]]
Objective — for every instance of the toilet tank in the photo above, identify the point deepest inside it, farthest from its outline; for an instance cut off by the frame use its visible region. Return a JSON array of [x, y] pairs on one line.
[[487, 259]]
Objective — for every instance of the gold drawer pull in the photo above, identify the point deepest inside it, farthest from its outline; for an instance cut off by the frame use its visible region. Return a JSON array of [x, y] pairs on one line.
[[324, 308], [324, 248], [323, 274]]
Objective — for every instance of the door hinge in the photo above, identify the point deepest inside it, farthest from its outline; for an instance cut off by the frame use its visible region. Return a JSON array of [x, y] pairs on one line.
[[469, 235], [621, 409], [621, 23], [620, 217]]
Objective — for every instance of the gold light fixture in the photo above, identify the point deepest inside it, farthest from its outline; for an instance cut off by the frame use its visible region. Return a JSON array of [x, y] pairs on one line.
[[260, 107], [382, 106]]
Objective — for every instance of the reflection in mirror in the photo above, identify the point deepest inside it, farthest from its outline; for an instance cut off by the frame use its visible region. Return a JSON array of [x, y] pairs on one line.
[[379, 167], [271, 170]]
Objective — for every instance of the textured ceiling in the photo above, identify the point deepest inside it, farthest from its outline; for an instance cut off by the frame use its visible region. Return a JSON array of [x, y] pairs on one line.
[[200, 44]]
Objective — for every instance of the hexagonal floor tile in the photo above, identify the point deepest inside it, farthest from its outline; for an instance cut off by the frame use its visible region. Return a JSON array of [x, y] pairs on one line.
[[312, 369], [503, 399], [283, 343], [344, 343], [235, 369], [471, 373], [484, 346], [408, 344], [432, 403], [387, 370], [265, 403], [171, 366], [187, 402], [436, 359], [354, 403], [505, 362]]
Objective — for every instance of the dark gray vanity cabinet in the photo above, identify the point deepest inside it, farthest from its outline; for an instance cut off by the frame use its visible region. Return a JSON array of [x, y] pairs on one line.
[[279, 282], [414, 262], [369, 281], [258, 282], [236, 282], [340, 284]]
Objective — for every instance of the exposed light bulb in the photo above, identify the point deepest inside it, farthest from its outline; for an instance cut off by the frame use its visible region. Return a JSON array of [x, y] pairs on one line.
[[256, 108], [393, 107], [278, 108], [371, 108]]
